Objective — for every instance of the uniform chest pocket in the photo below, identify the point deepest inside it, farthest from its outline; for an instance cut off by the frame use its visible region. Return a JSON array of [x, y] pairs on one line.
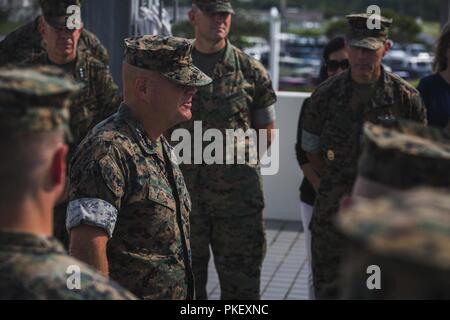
[[160, 196], [338, 139]]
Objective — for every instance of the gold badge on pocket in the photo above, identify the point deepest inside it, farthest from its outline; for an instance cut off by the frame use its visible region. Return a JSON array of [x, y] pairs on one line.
[[331, 155]]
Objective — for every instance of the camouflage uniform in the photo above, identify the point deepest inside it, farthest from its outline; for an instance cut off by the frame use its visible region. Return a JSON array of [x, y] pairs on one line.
[[32, 266], [228, 200], [404, 157], [26, 42], [407, 236], [332, 128], [96, 101], [121, 183]]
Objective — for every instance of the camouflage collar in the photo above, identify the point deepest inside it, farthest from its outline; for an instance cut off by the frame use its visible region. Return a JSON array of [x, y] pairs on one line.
[[384, 92], [29, 243], [138, 130]]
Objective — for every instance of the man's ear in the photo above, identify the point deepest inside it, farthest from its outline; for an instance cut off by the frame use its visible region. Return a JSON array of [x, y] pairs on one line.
[[41, 25], [387, 46], [191, 15], [59, 167]]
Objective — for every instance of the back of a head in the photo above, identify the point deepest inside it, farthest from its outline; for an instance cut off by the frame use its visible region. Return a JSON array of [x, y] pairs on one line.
[[33, 117], [402, 157], [403, 241]]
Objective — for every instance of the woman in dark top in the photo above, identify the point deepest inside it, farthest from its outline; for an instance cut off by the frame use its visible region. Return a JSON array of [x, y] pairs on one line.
[[435, 89], [335, 61]]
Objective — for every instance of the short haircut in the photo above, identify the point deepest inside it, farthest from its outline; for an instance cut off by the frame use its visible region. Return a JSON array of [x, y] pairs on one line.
[[25, 156]]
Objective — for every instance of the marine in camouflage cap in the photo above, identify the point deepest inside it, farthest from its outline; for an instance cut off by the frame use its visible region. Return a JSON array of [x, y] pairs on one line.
[[211, 6], [34, 264], [407, 236], [405, 156], [360, 35], [170, 56], [35, 99], [55, 11]]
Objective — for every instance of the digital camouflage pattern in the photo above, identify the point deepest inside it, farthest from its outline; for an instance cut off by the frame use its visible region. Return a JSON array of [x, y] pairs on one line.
[[336, 116], [239, 247], [360, 35], [26, 43], [214, 5], [149, 252], [407, 236], [406, 156], [170, 56], [97, 99], [35, 268], [35, 99], [229, 193]]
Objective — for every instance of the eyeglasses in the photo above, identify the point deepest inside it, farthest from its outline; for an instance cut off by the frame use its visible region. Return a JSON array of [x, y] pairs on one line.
[[334, 65]]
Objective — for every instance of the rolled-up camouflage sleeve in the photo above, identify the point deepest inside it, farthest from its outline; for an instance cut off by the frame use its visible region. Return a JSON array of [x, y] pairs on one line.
[[313, 122], [96, 189], [264, 97]]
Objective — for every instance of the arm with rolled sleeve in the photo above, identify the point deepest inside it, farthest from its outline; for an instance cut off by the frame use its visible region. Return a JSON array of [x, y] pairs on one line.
[[313, 122], [96, 189], [263, 106], [305, 165]]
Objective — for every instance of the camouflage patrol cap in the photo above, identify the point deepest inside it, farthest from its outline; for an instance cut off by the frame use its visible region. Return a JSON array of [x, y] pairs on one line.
[[169, 56], [35, 99], [413, 226], [211, 6], [406, 156], [365, 35], [55, 11]]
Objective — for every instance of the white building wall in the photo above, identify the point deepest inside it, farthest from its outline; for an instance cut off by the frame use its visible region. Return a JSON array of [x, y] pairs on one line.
[[282, 190]]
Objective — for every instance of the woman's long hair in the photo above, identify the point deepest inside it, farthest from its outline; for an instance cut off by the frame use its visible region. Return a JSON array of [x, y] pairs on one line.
[[334, 45], [443, 42]]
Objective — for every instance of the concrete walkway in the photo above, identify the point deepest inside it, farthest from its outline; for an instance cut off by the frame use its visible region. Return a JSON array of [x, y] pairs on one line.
[[284, 275]]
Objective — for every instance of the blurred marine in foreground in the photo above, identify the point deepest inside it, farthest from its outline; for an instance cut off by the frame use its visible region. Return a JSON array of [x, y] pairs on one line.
[[34, 116]]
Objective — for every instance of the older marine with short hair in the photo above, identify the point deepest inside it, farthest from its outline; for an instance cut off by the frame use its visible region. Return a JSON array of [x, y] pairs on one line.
[[333, 127], [99, 97], [129, 206], [26, 42], [34, 115]]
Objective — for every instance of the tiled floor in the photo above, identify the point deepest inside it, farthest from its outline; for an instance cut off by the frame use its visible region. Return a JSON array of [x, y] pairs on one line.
[[284, 270]]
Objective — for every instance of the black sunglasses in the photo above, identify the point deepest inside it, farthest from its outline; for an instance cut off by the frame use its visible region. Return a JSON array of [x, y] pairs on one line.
[[333, 65]]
